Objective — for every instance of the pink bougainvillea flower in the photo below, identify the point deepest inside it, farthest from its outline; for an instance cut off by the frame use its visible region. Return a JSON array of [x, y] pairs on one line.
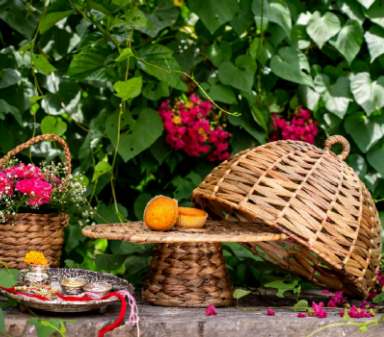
[[5, 185], [210, 311], [300, 314], [35, 187], [331, 304], [359, 313], [318, 310], [324, 291], [271, 312], [341, 313]]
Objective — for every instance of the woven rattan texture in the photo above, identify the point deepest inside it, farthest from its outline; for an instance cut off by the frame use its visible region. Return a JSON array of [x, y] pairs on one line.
[[213, 231], [309, 194], [188, 275], [39, 232], [28, 231]]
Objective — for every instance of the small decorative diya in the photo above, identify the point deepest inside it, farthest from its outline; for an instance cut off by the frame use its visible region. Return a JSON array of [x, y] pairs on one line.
[[73, 286], [99, 288]]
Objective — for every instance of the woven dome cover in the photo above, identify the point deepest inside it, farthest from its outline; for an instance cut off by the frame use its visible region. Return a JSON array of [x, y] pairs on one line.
[[311, 195]]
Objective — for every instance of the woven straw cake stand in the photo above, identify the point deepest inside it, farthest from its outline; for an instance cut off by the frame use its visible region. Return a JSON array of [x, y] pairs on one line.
[[188, 268], [309, 194]]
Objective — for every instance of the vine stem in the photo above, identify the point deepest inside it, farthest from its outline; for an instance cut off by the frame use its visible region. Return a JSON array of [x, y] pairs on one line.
[[330, 326]]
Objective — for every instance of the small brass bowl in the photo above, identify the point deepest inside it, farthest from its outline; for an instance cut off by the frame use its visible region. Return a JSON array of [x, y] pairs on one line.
[[99, 288], [73, 286]]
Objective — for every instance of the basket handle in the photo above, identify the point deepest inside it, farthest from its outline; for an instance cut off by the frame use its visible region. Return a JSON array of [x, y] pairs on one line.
[[39, 139], [338, 139]]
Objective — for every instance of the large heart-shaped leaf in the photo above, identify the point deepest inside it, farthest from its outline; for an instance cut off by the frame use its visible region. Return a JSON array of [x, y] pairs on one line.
[[375, 41], [6, 108], [349, 41], [56, 11], [107, 214], [243, 19], [322, 28], [8, 277], [42, 64], [163, 15], [128, 89], [366, 132], [375, 157], [352, 9], [9, 77], [101, 168], [369, 94], [88, 62], [54, 125], [157, 56], [357, 162], [292, 65], [239, 75], [308, 97], [337, 96], [260, 9], [213, 13], [279, 13], [110, 261], [147, 128], [375, 13]]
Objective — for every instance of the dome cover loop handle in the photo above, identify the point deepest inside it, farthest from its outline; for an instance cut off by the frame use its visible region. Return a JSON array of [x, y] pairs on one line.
[[338, 139]]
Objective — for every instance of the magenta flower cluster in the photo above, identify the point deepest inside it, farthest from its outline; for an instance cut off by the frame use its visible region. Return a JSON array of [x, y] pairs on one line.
[[28, 180], [379, 285], [353, 312], [300, 127], [193, 127]]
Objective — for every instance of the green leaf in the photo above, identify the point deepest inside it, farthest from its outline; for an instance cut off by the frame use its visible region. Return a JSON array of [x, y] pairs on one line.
[[14, 13], [219, 54], [281, 286], [6, 108], [88, 62], [2, 327], [101, 168], [135, 18], [299, 37], [220, 93], [110, 261], [375, 158], [239, 293], [366, 3], [109, 214], [99, 7], [127, 52], [160, 150], [9, 77], [243, 19], [279, 13], [34, 99], [159, 56], [357, 162], [378, 298], [121, 3], [54, 125], [366, 132], [375, 13], [164, 15], [302, 306], [8, 277], [140, 203], [260, 9], [128, 89], [213, 13], [369, 94], [292, 65], [308, 97], [322, 28], [52, 18], [259, 118], [247, 122], [349, 41], [46, 327], [337, 96], [241, 75], [147, 129], [375, 41], [352, 9], [42, 64], [154, 90]]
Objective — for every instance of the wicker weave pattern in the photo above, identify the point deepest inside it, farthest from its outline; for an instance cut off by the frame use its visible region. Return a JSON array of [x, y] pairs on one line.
[[29, 231], [188, 275], [312, 196], [39, 232]]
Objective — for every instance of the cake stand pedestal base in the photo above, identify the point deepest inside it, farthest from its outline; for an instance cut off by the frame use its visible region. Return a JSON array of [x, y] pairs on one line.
[[188, 275]]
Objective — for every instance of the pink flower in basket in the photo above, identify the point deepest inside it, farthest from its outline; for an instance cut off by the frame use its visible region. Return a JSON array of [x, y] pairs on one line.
[[23, 171], [5, 185], [35, 187]]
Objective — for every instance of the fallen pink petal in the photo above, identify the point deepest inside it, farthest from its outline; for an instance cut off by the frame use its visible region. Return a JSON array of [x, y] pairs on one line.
[[300, 314], [324, 291], [318, 309], [270, 312], [210, 311]]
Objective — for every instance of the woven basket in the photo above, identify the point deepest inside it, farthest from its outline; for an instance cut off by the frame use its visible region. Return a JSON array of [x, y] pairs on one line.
[[28, 231], [311, 195]]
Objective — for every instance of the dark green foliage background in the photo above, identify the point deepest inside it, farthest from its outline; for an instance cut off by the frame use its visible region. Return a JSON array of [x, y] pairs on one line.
[[256, 57]]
